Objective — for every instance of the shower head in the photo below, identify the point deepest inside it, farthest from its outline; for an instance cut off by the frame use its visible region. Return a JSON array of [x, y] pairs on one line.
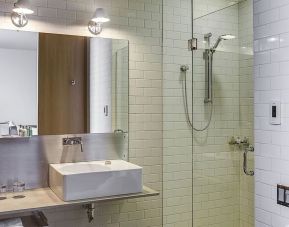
[[227, 37], [222, 37]]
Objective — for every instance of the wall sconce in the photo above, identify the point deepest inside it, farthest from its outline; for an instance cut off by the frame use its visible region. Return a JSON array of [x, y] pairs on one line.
[[96, 23], [19, 12]]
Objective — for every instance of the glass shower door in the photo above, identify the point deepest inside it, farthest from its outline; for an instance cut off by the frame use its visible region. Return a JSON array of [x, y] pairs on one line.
[[223, 117]]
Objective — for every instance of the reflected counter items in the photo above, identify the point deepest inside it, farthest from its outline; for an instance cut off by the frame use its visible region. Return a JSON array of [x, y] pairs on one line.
[[3, 191]]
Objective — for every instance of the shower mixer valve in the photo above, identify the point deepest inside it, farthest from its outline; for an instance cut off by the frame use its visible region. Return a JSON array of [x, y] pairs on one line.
[[244, 145], [239, 141]]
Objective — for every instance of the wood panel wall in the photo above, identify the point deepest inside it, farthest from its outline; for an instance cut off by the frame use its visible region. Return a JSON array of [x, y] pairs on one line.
[[62, 105]]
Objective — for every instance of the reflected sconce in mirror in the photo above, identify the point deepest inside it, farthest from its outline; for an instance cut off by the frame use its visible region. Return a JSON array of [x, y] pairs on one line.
[[96, 23], [21, 9]]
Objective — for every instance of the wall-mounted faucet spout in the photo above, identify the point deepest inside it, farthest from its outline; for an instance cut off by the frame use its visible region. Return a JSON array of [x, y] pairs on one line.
[[72, 141]]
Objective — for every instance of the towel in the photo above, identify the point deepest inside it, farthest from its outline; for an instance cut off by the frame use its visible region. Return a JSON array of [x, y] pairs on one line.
[[15, 222]]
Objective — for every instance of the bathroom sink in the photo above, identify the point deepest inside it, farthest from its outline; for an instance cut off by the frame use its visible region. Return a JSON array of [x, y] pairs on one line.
[[84, 180]]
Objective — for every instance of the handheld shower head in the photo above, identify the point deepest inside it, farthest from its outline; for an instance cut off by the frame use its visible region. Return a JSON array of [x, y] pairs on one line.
[[227, 37], [222, 37]]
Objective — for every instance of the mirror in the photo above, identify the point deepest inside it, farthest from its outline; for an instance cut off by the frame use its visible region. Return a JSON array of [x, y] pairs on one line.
[[54, 84]]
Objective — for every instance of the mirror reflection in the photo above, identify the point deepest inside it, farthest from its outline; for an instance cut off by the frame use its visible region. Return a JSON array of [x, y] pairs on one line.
[[54, 84]]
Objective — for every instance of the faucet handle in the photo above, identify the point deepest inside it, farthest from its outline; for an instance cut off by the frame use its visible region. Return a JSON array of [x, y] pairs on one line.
[[81, 146], [72, 141]]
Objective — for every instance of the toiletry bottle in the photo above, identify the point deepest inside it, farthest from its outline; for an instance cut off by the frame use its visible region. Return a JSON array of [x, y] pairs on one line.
[[30, 131], [25, 131], [3, 190], [20, 130]]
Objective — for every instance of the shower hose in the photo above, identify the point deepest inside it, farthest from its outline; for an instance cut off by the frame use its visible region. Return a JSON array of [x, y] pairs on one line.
[[185, 97]]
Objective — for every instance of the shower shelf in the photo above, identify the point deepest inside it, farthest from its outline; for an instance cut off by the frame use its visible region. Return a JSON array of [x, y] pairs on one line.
[[43, 199]]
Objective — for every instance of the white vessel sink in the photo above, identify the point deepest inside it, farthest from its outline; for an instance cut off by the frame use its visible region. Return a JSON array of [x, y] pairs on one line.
[[83, 180]]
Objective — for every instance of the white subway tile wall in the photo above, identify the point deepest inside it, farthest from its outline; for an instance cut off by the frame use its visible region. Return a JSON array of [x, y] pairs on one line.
[[271, 32], [139, 21], [177, 136], [216, 164]]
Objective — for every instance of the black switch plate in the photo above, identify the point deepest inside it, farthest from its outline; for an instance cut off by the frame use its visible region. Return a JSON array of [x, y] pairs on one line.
[[274, 111]]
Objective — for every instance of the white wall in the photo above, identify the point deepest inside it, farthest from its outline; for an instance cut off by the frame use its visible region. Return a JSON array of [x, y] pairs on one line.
[[18, 77], [100, 76], [271, 35], [177, 136], [18, 87]]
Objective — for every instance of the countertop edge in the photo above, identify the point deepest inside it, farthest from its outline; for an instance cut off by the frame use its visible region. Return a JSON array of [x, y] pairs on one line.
[[42, 199]]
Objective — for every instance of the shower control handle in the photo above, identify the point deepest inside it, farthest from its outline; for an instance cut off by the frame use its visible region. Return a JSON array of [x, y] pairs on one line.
[[245, 161]]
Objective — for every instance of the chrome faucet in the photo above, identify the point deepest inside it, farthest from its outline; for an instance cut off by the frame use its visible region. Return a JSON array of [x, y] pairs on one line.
[[72, 141]]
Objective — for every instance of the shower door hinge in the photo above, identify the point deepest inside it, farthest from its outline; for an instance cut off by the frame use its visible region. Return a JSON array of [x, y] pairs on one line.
[[193, 44]]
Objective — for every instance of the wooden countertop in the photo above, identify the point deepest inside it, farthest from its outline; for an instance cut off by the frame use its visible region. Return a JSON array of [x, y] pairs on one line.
[[44, 198]]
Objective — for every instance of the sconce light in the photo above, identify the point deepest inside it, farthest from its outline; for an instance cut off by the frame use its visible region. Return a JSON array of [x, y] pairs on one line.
[[19, 12], [96, 23]]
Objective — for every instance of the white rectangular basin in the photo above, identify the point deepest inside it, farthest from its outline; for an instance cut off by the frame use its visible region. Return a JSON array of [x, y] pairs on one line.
[[83, 180]]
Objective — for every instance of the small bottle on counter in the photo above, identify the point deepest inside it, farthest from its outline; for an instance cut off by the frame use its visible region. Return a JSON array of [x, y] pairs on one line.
[[20, 130], [26, 131], [18, 190], [30, 131], [3, 190]]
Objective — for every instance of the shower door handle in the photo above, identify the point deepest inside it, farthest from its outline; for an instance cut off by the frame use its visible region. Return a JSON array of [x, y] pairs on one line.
[[245, 161]]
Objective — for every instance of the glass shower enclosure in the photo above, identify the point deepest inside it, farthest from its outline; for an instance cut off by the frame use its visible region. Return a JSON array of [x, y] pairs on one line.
[[223, 102], [208, 178]]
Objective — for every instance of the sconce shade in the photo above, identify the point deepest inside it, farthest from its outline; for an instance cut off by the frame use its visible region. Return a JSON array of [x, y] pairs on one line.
[[95, 24], [100, 16], [23, 7]]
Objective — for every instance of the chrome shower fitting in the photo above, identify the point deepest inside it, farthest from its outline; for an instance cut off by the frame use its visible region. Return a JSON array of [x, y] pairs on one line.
[[184, 68], [245, 146], [245, 169], [208, 57], [90, 208], [219, 40], [238, 141]]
